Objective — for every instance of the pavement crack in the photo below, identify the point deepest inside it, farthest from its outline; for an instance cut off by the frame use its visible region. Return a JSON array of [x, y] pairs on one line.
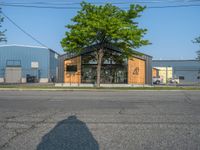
[[25, 131], [10, 117], [187, 98], [121, 111]]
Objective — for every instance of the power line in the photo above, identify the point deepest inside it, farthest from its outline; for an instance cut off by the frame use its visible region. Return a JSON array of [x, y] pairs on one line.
[[78, 3], [64, 5], [119, 2], [55, 7], [174, 6], [34, 6], [28, 34]]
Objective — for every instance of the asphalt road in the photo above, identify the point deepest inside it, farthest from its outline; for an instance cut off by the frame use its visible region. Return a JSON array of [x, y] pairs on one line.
[[82, 120]]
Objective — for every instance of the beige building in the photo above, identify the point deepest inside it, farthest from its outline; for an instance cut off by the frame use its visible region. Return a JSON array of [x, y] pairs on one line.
[[165, 73]]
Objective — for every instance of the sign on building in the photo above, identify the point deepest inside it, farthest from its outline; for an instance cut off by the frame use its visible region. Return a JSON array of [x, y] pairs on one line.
[[34, 64]]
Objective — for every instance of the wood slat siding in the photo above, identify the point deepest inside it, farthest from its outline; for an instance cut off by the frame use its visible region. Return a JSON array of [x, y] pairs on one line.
[[136, 71], [73, 77], [154, 72]]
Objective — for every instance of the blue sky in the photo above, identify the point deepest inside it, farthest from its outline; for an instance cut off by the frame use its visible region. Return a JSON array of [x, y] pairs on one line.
[[170, 30]]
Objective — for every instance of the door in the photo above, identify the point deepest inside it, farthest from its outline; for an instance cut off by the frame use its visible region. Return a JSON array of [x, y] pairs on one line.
[[13, 74]]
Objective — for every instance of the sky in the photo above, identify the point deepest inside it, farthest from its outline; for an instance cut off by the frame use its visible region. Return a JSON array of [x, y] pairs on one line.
[[170, 30]]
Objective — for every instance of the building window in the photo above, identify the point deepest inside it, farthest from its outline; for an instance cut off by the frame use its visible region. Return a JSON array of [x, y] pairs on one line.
[[13, 63], [181, 77], [198, 77], [71, 68], [113, 68]]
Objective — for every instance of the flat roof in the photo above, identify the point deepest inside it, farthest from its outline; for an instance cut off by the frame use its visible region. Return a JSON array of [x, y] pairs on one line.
[[23, 46], [30, 46]]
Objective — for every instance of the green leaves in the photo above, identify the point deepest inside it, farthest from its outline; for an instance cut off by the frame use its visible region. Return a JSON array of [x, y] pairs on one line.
[[197, 40], [2, 32], [105, 24]]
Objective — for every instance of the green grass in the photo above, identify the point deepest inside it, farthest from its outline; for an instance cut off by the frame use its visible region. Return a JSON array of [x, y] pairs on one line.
[[52, 87]]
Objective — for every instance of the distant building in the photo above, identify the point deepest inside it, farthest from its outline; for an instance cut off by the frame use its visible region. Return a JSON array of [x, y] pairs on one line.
[[155, 72], [185, 71], [164, 73], [21, 64]]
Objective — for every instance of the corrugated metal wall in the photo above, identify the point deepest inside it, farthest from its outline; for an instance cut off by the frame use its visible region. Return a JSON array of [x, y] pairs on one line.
[[61, 68], [53, 69], [148, 69], [26, 55], [189, 69]]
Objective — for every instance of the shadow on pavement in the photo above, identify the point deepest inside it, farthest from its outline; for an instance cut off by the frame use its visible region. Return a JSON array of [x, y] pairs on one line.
[[69, 134]]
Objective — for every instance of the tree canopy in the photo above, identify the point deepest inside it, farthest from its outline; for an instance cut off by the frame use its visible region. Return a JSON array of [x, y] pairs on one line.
[[197, 40], [105, 24], [2, 32], [100, 24]]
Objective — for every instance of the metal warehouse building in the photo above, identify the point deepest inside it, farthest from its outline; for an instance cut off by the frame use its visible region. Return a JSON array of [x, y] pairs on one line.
[[186, 71], [21, 64], [81, 69]]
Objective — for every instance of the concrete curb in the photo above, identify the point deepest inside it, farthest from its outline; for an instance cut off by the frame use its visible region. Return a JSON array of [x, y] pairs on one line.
[[96, 90]]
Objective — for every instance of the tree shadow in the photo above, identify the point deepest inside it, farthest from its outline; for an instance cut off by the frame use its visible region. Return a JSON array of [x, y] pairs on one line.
[[69, 134]]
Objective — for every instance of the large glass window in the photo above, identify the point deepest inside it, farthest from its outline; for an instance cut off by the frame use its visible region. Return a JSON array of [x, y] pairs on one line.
[[71, 68], [113, 70]]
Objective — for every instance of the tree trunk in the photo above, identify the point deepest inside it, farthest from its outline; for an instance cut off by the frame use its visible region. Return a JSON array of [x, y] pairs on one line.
[[100, 54]]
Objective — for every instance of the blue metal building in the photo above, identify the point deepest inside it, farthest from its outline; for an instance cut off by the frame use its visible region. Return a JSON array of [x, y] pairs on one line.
[[187, 71], [20, 64]]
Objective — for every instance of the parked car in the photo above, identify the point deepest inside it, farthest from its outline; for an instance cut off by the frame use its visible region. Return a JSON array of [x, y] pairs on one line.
[[157, 80], [174, 80], [31, 79]]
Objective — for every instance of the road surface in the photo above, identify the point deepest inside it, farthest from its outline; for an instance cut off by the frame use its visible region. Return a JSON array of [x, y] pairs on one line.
[[99, 120]]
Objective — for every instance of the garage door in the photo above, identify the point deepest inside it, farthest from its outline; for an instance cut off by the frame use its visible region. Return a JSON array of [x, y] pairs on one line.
[[13, 74]]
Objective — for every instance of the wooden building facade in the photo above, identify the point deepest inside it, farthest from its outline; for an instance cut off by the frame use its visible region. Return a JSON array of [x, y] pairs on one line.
[[82, 68]]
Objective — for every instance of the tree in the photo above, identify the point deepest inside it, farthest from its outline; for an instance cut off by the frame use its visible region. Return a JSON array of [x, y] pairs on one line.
[[2, 33], [105, 24], [197, 40]]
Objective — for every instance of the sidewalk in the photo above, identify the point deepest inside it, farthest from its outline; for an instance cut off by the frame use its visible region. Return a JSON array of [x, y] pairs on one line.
[[52, 87]]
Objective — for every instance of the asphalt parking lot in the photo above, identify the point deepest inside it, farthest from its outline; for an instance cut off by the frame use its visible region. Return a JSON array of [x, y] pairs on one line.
[[99, 120]]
